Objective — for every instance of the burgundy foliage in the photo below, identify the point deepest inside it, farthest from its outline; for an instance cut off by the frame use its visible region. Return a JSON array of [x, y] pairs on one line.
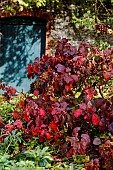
[[71, 99]]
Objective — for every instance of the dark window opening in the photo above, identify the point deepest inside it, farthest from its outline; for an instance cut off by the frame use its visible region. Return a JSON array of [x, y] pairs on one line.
[[23, 39]]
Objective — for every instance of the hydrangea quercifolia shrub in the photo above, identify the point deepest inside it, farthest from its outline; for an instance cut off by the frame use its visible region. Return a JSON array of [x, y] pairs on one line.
[[74, 102]]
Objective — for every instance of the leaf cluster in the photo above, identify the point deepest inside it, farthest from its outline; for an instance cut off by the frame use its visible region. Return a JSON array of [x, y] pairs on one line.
[[71, 105]]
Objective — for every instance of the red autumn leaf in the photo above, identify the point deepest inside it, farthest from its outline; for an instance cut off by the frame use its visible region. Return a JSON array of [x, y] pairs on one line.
[[69, 87], [95, 119], [70, 153], [76, 78], [45, 57], [56, 137], [85, 140], [89, 94], [36, 92], [54, 126], [48, 136], [90, 107], [35, 67], [11, 90], [56, 85], [18, 124], [77, 113], [22, 103], [16, 115], [1, 122], [83, 50], [41, 139], [35, 131], [60, 68], [96, 141], [83, 106], [68, 69], [30, 69], [75, 131], [38, 121], [81, 60], [42, 112], [26, 115], [1, 139], [67, 78], [100, 102], [107, 52], [27, 131], [86, 117], [9, 127], [43, 126], [107, 76]]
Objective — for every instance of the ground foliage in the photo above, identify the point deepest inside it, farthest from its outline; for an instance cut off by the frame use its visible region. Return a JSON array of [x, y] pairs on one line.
[[70, 107]]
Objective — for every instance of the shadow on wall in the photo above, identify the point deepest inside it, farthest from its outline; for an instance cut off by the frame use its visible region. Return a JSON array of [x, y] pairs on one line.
[[23, 39]]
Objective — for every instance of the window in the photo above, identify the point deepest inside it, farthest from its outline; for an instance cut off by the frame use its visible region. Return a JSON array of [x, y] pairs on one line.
[[23, 39]]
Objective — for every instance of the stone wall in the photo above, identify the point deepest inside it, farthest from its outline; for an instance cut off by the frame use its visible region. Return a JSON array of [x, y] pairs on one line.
[[63, 27]]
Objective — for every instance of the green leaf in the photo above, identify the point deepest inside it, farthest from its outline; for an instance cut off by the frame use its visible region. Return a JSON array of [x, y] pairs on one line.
[[6, 139], [44, 150], [19, 139], [49, 158]]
